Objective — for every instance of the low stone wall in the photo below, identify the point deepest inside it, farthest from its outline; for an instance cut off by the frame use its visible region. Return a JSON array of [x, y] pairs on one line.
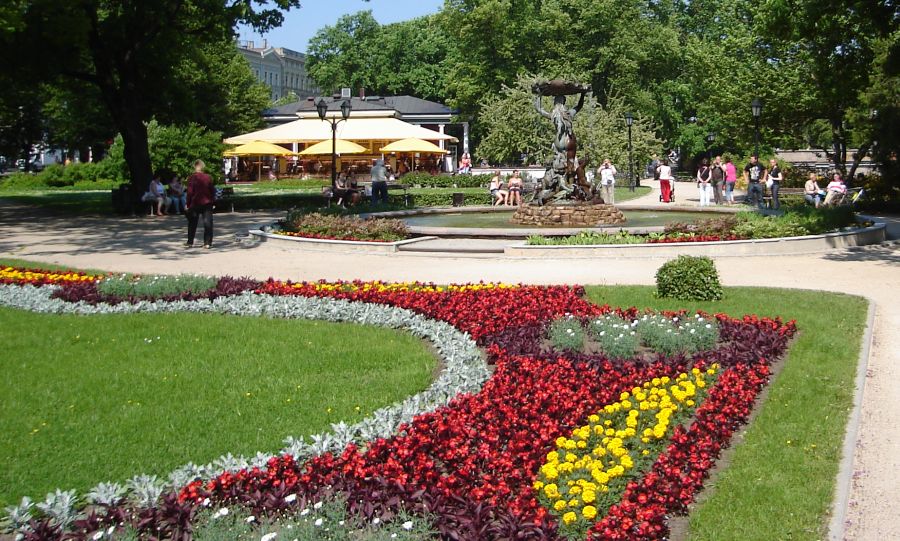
[[327, 245], [739, 248], [574, 215]]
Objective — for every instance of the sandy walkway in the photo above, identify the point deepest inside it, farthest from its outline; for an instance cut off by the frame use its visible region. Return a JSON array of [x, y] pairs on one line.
[[152, 245]]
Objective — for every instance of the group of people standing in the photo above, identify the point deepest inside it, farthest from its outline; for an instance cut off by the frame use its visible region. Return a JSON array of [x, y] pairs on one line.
[[716, 180]]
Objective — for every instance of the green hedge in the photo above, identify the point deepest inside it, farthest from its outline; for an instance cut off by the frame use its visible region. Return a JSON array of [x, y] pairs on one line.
[[77, 176], [427, 180], [439, 199]]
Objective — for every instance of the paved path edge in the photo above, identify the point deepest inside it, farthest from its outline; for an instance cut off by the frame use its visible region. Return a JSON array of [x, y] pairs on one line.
[[840, 504]]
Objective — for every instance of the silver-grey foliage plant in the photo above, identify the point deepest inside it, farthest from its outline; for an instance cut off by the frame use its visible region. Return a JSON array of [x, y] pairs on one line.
[[464, 371]]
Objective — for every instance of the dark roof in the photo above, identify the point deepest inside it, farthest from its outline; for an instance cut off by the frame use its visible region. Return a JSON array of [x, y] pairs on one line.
[[405, 105]]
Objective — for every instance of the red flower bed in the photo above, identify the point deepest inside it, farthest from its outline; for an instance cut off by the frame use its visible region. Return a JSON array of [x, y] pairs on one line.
[[486, 448], [693, 238], [471, 465]]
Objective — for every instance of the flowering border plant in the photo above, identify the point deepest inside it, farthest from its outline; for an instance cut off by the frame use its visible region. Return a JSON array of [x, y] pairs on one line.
[[479, 464]]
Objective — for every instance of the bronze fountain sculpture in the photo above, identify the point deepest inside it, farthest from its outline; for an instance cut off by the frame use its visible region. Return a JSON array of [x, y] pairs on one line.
[[565, 196]]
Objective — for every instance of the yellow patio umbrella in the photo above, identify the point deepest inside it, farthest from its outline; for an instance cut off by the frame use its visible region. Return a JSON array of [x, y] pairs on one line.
[[259, 148], [341, 146], [414, 145]]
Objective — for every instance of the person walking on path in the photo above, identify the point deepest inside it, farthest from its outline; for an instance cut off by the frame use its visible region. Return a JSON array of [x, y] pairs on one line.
[[607, 173], [730, 180], [718, 179], [704, 176], [665, 181], [755, 175], [201, 195], [773, 182], [379, 183]]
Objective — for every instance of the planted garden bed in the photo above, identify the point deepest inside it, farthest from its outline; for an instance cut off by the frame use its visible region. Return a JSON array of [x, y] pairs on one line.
[[481, 466]]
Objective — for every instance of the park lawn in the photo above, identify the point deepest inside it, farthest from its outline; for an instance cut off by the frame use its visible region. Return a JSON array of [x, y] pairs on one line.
[[780, 481], [99, 398]]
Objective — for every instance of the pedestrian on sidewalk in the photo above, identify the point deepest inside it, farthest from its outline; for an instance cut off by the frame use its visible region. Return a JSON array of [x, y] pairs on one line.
[[607, 173], [704, 176], [717, 170], [730, 180], [773, 182], [665, 180], [755, 175], [201, 195]]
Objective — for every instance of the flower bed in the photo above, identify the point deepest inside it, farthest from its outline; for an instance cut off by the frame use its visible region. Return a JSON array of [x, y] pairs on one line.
[[477, 466], [40, 277], [330, 227]]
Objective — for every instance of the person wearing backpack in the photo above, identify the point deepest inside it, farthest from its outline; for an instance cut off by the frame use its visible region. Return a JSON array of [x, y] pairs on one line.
[[704, 175]]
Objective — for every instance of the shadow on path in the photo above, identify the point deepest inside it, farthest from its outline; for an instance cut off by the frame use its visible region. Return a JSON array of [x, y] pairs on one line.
[[159, 237]]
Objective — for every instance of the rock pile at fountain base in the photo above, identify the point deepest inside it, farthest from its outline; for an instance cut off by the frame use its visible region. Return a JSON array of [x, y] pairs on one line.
[[574, 214]]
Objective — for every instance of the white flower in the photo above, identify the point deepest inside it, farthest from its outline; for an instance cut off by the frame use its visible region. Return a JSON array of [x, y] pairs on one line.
[[205, 502], [341, 523], [376, 521], [693, 331], [269, 536], [221, 512], [291, 498], [304, 512], [675, 319], [249, 519], [97, 536], [602, 333], [110, 530], [317, 505], [393, 536], [408, 525], [708, 326], [318, 521]]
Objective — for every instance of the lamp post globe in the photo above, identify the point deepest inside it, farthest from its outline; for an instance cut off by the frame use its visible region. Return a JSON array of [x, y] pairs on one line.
[[756, 107], [322, 111]]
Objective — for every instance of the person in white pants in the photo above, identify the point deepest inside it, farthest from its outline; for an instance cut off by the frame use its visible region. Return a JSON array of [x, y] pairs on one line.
[[704, 175], [607, 173]]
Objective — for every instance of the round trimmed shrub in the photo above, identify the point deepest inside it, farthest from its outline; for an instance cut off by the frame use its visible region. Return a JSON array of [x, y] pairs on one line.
[[689, 278]]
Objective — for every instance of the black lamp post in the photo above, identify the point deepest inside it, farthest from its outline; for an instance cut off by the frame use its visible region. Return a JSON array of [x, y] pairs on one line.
[[629, 120], [710, 139], [756, 106], [322, 110]]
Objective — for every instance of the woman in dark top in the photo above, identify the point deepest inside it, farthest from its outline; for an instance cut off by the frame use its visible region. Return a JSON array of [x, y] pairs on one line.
[[201, 195], [774, 186]]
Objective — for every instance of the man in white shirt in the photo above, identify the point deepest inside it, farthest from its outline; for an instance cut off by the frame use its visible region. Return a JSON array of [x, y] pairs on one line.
[[607, 173]]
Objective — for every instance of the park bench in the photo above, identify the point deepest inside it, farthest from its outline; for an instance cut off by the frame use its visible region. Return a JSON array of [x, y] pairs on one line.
[[225, 197], [790, 193]]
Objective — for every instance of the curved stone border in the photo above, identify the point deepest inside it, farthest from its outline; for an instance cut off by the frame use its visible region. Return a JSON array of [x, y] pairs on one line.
[[760, 247], [844, 483], [338, 245], [524, 232], [464, 371]]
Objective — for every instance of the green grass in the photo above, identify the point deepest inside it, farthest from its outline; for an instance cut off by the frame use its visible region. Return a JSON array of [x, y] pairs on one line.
[[780, 482], [88, 399], [65, 201]]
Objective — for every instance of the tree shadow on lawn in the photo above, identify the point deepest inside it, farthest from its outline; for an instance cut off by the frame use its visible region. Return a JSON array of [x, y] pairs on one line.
[[162, 237]]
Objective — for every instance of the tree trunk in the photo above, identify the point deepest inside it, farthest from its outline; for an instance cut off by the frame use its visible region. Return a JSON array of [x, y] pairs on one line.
[[857, 158], [839, 144], [137, 153]]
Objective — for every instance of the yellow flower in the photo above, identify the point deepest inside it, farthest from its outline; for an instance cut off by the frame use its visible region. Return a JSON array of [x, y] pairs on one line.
[[569, 518], [559, 505], [589, 512]]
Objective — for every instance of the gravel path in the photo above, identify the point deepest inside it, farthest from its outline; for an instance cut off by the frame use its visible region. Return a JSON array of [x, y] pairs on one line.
[[153, 245]]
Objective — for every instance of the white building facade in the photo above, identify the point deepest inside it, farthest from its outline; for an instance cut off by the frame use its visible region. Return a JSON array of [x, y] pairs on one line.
[[282, 70]]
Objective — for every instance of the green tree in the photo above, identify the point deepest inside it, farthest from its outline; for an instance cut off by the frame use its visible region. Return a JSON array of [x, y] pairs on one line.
[[130, 52], [344, 54], [512, 127]]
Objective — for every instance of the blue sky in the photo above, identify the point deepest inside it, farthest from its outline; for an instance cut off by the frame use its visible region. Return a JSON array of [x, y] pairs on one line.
[[301, 24]]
